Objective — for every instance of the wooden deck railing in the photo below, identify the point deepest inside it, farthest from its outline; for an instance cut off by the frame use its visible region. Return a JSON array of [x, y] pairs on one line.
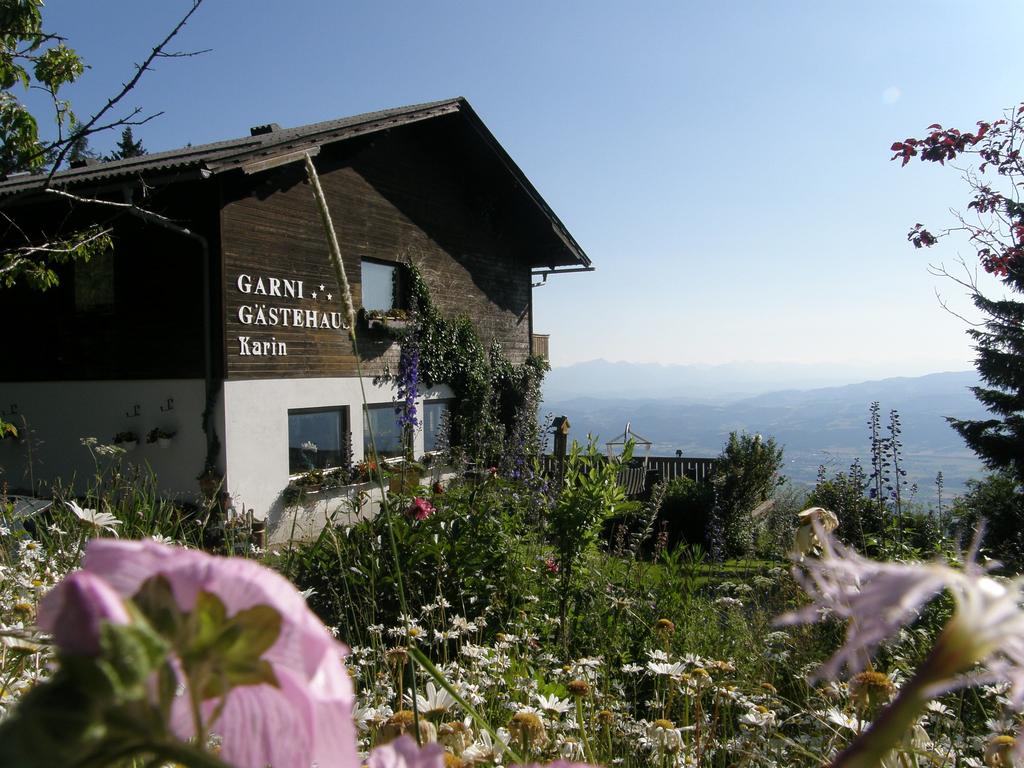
[[635, 477], [671, 467]]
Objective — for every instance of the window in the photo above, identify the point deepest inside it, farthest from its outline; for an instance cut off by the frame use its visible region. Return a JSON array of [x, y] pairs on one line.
[[382, 286], [386, 432], [94, 284], [435, 424], [318, 438]]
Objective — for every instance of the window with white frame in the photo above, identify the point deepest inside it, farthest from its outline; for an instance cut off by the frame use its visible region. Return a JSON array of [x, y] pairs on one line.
[[94, 284], [318, 438], [382, 421], [436, 414], [382, 286]]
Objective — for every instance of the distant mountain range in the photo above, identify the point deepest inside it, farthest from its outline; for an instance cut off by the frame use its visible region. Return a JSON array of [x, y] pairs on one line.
[[702, 383], [815, 425]]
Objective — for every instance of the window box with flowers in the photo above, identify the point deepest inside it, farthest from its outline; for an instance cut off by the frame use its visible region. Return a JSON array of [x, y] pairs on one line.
[[314, 482], [318, 499], [406, 476], [389, 323], [127, 440], [161, 437]]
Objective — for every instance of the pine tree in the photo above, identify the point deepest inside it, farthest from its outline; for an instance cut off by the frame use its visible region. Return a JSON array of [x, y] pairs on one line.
[[994, 224], [999, 441], [80, 150], [127, 146]]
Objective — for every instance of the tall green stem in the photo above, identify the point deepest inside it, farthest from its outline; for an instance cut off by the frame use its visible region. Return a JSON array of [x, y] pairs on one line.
[[950, 656], [587, 752], [434, 672], [346, 300]]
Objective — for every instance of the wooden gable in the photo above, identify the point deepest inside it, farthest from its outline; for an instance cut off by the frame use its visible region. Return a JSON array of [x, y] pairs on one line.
[[412, 195]]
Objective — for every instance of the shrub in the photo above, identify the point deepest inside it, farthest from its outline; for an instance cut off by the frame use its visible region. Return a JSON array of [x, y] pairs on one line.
[[860, 518], [745, 478], [472, 550], [686, 512], [998, 501]]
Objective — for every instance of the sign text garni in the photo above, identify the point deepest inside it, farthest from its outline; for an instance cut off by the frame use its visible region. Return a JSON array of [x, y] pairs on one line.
[[270, 313]]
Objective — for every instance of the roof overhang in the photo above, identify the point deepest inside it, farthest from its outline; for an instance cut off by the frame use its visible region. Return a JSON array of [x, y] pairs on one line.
[[275, 148]]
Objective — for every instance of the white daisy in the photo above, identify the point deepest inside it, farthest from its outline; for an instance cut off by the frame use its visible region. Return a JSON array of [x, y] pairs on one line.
[[102, 520]]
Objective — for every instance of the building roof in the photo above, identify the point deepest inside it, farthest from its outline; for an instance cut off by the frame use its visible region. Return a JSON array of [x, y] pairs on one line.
[[272, 143]]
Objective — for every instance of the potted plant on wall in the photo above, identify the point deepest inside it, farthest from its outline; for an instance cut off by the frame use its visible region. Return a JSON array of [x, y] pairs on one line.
[[9, 432], [391, 322], [127, 440], [161, 437]]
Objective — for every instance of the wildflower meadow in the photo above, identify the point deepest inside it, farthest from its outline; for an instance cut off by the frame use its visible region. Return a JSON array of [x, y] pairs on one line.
[[450, 621]]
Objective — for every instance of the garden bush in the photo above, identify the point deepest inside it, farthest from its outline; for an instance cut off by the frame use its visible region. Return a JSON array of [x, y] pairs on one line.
[[685, 512]]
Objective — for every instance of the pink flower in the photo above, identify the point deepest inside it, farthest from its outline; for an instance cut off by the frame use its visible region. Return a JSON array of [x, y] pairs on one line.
[[420, 509], [75, 609], [551, 564], [403, 753], [309, 717]]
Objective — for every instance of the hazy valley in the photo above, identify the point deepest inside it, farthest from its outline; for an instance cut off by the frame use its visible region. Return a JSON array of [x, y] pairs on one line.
[[693, 410]]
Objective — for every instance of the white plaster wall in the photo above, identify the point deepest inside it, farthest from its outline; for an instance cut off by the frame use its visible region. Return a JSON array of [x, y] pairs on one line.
[[59, 414], [256, 437]]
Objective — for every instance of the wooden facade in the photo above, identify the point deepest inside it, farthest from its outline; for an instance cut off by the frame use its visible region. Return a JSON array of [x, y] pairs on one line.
[[430, 193], [395, 199], [133, 313]]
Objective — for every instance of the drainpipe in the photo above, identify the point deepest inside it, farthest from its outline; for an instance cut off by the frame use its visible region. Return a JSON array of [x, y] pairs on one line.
[[212, 387]]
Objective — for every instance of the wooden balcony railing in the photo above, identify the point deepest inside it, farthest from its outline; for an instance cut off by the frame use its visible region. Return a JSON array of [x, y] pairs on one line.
[[539, 345]]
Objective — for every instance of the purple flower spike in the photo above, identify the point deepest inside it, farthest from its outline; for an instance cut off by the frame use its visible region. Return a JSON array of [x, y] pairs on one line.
[[74, 610], [408, 383]]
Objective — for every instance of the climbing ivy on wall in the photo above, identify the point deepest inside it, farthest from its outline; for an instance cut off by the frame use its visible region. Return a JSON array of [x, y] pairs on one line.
[[494, 420]]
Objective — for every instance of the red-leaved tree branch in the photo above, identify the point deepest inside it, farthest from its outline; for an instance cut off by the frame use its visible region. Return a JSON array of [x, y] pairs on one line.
[[993, 219]]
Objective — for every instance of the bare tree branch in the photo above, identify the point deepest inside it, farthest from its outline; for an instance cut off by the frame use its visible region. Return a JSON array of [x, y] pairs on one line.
[[142, 213], [945, 305], [969, 282], [182, 54], [29, 250], [88, 128]]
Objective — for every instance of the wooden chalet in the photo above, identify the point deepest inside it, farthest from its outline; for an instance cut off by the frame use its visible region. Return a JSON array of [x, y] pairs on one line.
[[215, 316]]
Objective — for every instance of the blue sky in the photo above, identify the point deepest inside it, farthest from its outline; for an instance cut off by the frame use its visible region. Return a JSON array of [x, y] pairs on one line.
[[725, 165]]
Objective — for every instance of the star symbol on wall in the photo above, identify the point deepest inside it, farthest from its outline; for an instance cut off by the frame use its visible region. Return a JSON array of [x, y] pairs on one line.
[[329, 297], [321, 286], [314, 294]]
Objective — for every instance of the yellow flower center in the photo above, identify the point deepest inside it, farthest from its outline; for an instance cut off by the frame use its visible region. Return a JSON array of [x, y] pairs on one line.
[[579, 687], [869, 689]]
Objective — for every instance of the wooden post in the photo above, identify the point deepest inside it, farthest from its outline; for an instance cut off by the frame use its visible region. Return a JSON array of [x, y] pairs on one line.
[[560, 429]]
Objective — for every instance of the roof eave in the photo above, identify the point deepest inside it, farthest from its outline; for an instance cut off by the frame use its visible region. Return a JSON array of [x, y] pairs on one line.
[[560, 230]]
